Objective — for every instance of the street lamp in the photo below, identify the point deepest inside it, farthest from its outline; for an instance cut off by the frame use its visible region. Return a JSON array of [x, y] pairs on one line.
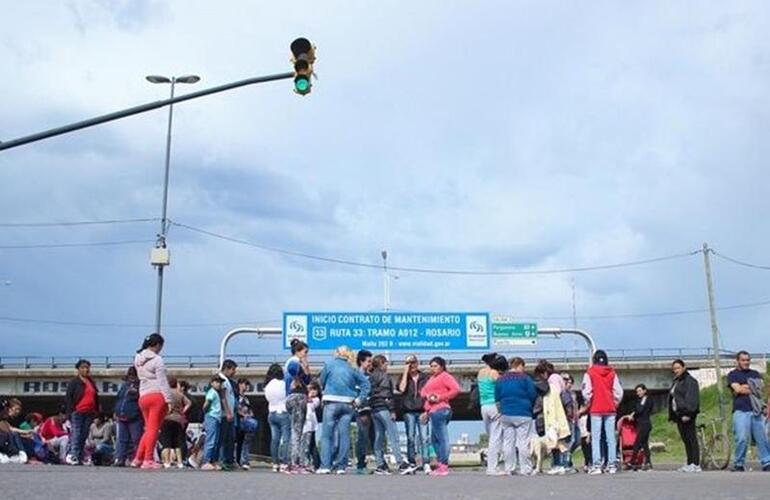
[[386, 278], [160, 257]]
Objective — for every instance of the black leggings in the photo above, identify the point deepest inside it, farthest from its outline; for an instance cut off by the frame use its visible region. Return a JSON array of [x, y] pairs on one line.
[[690, 437], [642, 443]]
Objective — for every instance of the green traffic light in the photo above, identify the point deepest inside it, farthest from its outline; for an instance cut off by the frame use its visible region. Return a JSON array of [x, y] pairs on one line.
[[302, 85]]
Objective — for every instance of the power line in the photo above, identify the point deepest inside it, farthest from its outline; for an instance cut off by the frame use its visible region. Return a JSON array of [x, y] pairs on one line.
[[274, 321], [75, 223], [73, 245], [654, 314], [433, 270], [740, 262], [12, 319]]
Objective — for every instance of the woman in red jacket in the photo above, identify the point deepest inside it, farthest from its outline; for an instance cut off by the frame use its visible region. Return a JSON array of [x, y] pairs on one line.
[[439, 390]]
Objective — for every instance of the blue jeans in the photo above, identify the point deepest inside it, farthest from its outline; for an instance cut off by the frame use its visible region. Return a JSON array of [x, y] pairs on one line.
[[248, 428], [384, 424], [363, 437], [439, 425], [213, 442], [416, 438], [280, 434], [81, 424], [746, 425], [608, 421], [129, 434], [336, 418]]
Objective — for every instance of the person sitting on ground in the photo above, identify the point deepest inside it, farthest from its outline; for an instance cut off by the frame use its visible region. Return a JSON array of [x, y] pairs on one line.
[[11, 445], [100, 440], [54, 435], [172, 435]]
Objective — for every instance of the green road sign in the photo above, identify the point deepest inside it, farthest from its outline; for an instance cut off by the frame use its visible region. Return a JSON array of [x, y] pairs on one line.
[[506, 332]]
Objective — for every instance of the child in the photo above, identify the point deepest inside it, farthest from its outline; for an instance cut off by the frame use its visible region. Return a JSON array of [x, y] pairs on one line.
[[309, 449], [212, 408]]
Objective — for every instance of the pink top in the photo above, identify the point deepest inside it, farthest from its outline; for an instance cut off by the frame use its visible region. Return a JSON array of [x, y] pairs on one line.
[[152, 374], [442, 385]]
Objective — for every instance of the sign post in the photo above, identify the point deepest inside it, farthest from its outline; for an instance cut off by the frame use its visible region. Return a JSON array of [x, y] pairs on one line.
[[388, 330]]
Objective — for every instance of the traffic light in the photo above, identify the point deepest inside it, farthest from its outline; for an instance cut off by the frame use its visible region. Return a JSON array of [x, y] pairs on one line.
[[303, 57]]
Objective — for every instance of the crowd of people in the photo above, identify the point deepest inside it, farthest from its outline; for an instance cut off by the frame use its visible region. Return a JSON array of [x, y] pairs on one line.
[[310, 416]]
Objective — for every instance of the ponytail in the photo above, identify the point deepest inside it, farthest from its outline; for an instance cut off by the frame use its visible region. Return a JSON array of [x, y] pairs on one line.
[[151, 340]]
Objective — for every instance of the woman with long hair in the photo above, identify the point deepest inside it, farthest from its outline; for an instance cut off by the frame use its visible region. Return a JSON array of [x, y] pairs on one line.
[[296, 378], [277, 417], [683, 409], [495, 366], [438, 392], [154, 398], [641, 415]]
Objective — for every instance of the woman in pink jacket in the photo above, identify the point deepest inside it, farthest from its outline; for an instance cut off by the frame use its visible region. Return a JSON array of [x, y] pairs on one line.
[[154, 398], [439, 390]]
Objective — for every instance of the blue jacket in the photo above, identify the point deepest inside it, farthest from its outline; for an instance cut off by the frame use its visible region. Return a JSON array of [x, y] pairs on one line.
[[342, 383], [516, 394], [127, 401]]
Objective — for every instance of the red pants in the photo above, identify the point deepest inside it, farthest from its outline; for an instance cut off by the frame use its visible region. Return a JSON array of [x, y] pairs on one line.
[[154, 409]]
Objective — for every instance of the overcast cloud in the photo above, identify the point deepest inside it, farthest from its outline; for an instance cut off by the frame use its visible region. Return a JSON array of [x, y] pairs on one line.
[[461, 135]]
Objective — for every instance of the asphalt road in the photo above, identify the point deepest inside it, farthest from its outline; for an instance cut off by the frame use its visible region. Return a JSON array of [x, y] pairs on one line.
[[84, 483]]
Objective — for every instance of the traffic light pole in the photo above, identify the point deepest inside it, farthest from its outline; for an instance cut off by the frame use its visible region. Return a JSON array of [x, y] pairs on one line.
[[139, 109]]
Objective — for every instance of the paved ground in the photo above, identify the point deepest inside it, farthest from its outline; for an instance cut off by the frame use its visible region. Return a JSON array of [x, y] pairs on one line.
[[84, 483]]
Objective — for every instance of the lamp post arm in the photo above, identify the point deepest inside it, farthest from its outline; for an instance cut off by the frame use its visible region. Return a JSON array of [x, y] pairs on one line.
[[117, 115]]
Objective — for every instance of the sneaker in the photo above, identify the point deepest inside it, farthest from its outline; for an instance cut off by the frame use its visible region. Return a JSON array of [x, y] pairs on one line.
[[4, 459], [323, 471], [208, 467], [341, 472], [363, 472], [284, 468], [595, 471], [739, 468], [275, 468], [570, 470], [150, 465], [646, 467], [21, 458], [426, 468], [441, 470], [556, 471], [612, 469], [382, 470], [685, 468], [180, 466], [498, 473], [193, 462], [118, 463], [166, 466], [70, 460], [406, 468], [245, 466], [135, 464], [696, 468]]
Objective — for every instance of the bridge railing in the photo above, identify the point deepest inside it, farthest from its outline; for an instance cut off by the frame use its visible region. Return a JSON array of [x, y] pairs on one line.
[[452, 358]]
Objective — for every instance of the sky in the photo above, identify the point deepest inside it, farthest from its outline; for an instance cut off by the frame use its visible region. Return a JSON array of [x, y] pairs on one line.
[[483, 136]]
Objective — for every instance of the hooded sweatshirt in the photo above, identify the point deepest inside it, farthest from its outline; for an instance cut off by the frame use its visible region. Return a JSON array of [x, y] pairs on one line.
[[602, 390], [152, 374]]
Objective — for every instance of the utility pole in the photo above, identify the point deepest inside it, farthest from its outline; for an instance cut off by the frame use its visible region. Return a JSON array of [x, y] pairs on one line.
[[714, 327], [574, 312]]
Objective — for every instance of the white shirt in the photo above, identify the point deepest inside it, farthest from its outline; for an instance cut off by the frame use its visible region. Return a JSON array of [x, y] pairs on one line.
[[275, 393], [311, 420]]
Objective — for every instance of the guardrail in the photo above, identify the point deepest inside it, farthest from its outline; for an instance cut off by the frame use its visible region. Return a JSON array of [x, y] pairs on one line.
[[453, 358]]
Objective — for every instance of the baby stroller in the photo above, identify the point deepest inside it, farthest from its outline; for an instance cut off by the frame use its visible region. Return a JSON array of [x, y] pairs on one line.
[[627, 434]]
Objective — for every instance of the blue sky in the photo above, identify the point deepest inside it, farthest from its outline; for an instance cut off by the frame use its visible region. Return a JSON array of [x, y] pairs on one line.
[[465, 135]]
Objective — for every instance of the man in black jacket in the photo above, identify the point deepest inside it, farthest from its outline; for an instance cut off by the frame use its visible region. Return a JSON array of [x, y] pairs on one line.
[[82, 401], [412, 406]]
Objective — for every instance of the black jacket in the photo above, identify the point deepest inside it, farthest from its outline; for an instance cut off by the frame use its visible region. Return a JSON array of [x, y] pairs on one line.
[[412, 401], [685, 392], [642, 412], [75, 390], [381, 394]]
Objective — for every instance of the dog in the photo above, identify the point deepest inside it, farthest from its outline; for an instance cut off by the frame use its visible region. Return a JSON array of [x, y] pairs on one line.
[[537, 451]]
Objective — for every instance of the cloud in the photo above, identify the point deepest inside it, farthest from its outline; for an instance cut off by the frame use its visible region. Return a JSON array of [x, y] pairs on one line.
[[484, 136]]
